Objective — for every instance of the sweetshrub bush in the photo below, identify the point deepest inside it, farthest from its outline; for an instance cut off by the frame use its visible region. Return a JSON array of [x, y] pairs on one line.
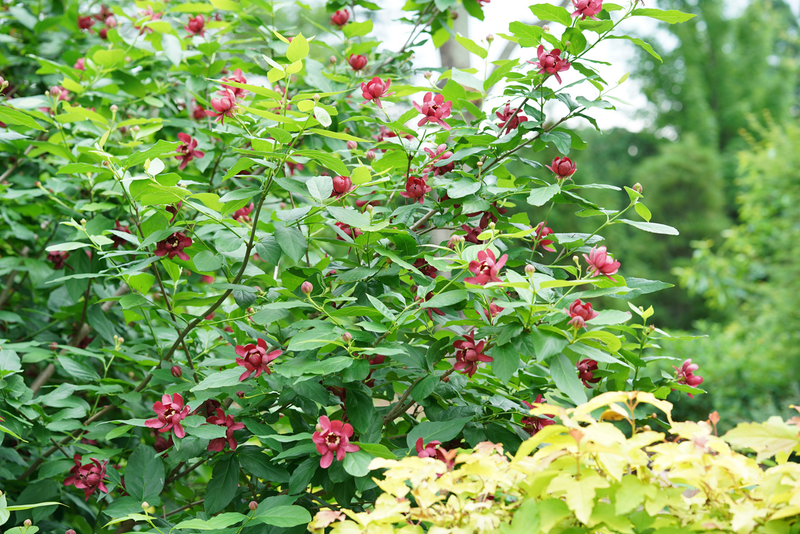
[[240, 262]]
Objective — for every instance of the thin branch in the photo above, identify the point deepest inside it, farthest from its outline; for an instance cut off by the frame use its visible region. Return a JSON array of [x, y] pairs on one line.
[[186, 507]]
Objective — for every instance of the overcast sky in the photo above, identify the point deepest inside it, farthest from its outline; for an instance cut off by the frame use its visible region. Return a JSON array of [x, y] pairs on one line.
[[498, 16]]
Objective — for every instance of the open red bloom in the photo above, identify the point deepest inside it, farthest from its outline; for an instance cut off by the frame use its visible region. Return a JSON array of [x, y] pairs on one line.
[[57, 258], [427, 451], [601, 263], [550, 62], [87, 477], [199, 112], [541, 232], [237, 77], [685, 374], [170, 412], [426, 298], [434, 109], [173, 246], [508, 122], [587, 8], [416, 188], [493, 311], [375, 89], [217, 444], [348, 231], [341, 185], [254, 358], [533, 424], [224, 106], [332, 438], [357, 62], [469, 355], [243, 214], [196, 26], [562, 167], [186, 150], [441, 154], [162, 444], [119, 241], [486, 268], [84, 23], [340, 18], [586, 369]]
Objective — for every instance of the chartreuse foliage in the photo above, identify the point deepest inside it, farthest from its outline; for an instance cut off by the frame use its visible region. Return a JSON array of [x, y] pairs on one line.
[[235, 270], [592, 472]]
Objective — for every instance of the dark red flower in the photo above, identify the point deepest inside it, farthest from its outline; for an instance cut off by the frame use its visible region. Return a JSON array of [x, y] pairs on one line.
[[243, 214], [580, 312], [294, 167], [509, 121], [472, 234], [541, 232], [225, 106], [685, 374], [87, 477], [217, 444], [375, 89], [57, 258], [237, 77], [254, 358], [162, 444], [550, 62], [103, 33], [357, 62], [562, 167], [493, 311], [434, 109], [486, 268], [170, 412], [196, 25], [173, 246], [348, 231], [469, 355], [84, 23], [586, 369], [199, 112], [416, 188], [440, 154], [426, 268], [186, 150], [533, 424], [119, 241], [332, 438], [208, 408], [587, 8], [174, 209], [340, 18], [601, 263], [426, 298], [341, 185]]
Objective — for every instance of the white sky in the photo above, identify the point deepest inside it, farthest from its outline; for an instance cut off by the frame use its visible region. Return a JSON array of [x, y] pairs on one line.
[[618, 52]]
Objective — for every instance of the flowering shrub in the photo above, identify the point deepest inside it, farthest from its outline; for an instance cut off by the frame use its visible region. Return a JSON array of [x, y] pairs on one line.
[[585, 472], [236, 271]]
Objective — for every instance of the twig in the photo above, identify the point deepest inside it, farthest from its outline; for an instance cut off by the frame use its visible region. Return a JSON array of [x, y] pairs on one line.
[[186, 507]]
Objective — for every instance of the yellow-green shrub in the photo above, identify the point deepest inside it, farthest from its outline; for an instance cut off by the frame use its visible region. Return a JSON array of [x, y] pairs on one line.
[[590, 473]]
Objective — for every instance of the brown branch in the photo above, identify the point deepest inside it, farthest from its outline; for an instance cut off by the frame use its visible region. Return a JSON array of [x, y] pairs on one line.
[[186, 471], [394, 412], [186, 507]]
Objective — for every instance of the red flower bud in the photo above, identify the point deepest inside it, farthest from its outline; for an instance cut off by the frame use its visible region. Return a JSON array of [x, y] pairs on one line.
[[177, 372], [253, 505], [357, 62], [563, 167], [306, 287], [352, 145], [340, 18], [347, 337], [240, 394]]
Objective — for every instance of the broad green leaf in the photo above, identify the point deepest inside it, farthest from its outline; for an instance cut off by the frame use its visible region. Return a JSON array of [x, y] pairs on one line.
[[472, 46], [292, 241], [144, 476], [551, 13], [358, 29], [10, 115], [220, 379], [436, 430], [672, 16], [653, 228], [578, 492], [298, 48], [506, 361], [446, 299], [357, 463], [336, 135], [639, 42], [223, 484], [541, 195], [767, 439], [565, 375]]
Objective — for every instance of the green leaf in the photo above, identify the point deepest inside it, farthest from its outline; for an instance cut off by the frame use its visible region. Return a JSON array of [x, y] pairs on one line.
[[222, 487], [269, 250], [226, 5], [220, 379], [767, 439], [546, 343], [446, 299], [172, 48], [643, 212], [10, 115], [302, 474], [472, 46], [285, 517], [241, 165], [256, 462], [144, 476], [562, 140], [653, 228], [361, 175], [109, 58], [215, 523], [357, 463], [552, 13], [327, 160], [358, 29], [10, 362], [506, 361], [338, 135], [207, 261], [349, 216], [565, 376], [291, 241], [298, 48], [322, 115], [639, 42], [672, 16], [436, 430], [79, 371], [424, 388], [541, 195], [207, 431]]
